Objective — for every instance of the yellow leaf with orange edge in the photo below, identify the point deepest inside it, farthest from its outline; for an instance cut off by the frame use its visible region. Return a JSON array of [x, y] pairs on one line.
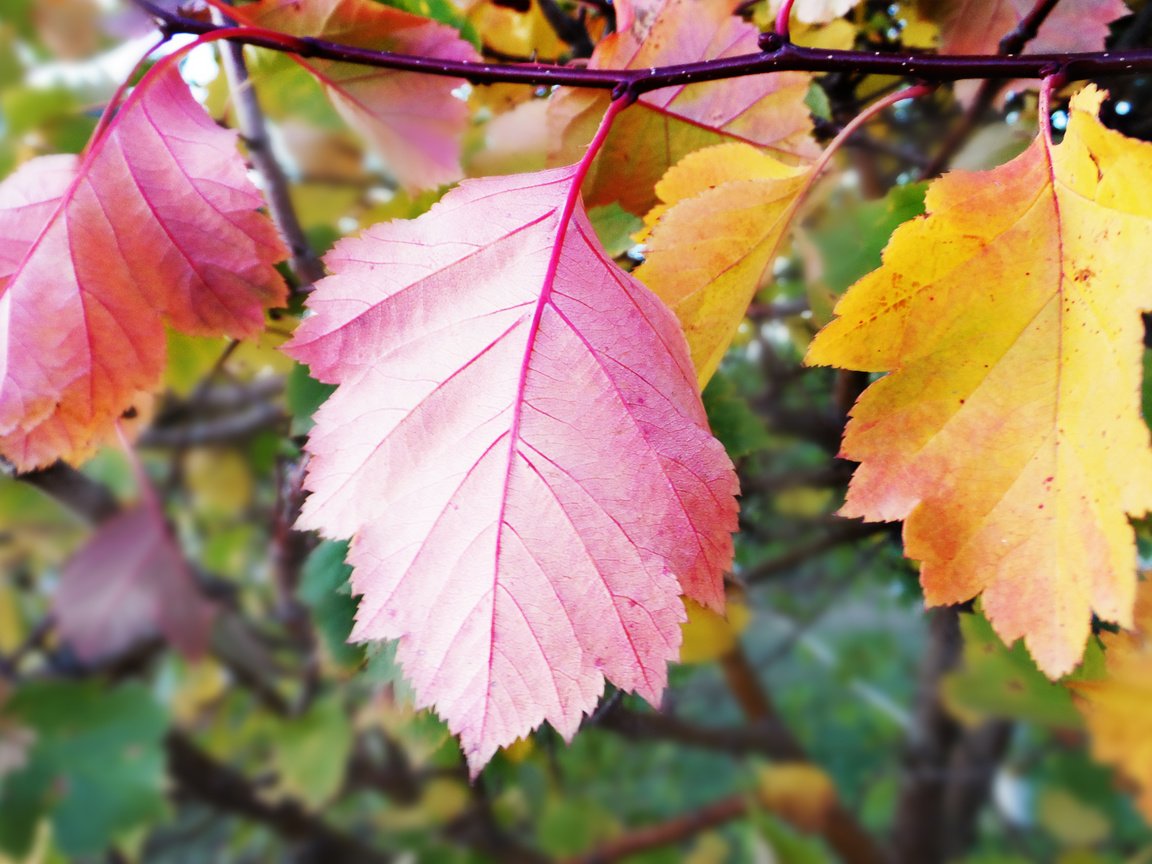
[[1008, 433], [1117, 708], [722, 215]]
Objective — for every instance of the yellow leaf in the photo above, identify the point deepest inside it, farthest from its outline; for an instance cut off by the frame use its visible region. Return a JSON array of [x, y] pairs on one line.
[[708, 635], [1071, 821], [519, 750], [220, 480], [798, 792], [1009, 433], [12, 629], [723, 213], [1118, 707]]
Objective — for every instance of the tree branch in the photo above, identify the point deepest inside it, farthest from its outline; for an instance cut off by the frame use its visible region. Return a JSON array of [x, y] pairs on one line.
[[777, 56], [198, 774]]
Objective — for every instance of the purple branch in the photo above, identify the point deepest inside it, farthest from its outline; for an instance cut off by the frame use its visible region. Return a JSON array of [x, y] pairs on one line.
[[778, 56]]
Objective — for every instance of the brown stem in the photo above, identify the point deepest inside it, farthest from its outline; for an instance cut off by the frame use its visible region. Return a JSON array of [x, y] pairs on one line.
[[200, 775], [254, 131], [667, 833], [918, 835], [776, 56], [840, 829], [79, 493]]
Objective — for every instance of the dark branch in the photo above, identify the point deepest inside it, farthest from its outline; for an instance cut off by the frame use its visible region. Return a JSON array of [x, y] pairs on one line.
[[777, 56]]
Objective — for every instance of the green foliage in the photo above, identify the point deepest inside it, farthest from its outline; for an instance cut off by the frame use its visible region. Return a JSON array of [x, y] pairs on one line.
[[94, 770]]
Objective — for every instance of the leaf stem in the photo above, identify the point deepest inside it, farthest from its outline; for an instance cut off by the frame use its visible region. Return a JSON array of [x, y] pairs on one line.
[[1044, 110], [118, 94], [782, 19]]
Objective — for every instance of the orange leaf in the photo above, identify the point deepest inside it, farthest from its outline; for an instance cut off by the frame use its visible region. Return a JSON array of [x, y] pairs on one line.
[[665, 126], [1009, 433]]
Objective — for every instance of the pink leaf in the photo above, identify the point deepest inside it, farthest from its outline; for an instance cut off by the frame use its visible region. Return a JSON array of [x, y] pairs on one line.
[[519, 453], [129, 583], [157, 224], [414, 120]]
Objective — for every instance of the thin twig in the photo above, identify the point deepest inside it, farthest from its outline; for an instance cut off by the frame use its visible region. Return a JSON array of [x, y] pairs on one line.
[[254, 132]]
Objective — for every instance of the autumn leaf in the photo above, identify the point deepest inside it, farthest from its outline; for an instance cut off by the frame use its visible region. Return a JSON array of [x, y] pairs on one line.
[[1118, 706], [414, 120], [722, 214], [519, 453], [128, 583], [1008, 433], [158, 222], [664, 126], [977, 26]]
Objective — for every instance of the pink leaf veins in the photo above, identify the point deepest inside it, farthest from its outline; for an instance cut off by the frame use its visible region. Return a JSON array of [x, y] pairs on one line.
[[519, 453]]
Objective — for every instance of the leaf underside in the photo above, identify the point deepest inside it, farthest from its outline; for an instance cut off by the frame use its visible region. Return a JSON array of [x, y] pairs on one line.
[[519, 453]]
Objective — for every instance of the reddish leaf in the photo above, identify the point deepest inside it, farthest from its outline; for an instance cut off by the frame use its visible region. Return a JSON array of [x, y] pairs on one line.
[[519, 451], [130, 582], [663, 127], [157, 223], [413, 119], [977, 26]]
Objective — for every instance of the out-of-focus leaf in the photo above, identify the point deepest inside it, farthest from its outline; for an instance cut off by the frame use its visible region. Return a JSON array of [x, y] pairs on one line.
[[740, 429], [766, 111], [414, 121], [311, 752], [997, 681], [708, 635], [1073, 821], [95, 770], [128, 583], [615, 226], [852, 233], [799, 792], [1118, 707], [219, 480]]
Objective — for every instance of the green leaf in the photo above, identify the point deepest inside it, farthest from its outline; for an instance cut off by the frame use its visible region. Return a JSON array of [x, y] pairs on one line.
[[311, 752], [304, 395], [733, 421], [615, 226], [997, 681], [853, 234], [324, 588], [95, 770]]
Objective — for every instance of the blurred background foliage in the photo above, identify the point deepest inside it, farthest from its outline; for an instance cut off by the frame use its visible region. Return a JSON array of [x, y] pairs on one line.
[[829, 718]]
